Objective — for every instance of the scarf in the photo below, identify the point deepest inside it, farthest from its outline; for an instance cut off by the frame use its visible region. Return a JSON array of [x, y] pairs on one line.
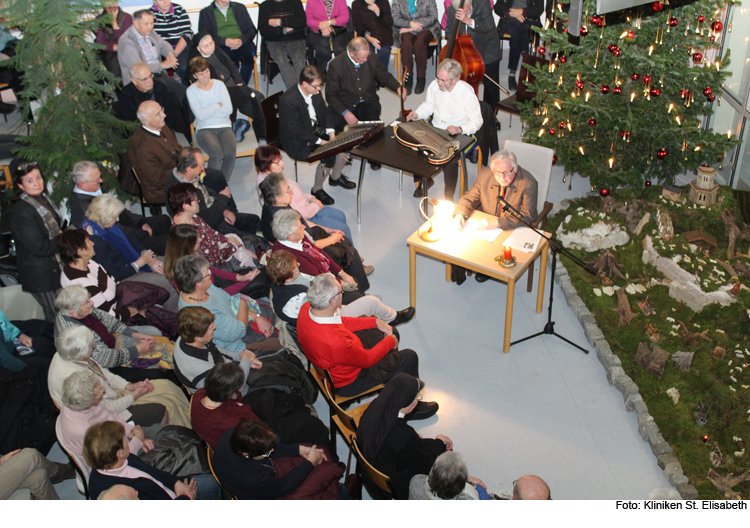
[[412, 7], [109, 31], [96, 326], [329, 8], [115, 237], [198, 184], [310, 248], [45, 209]]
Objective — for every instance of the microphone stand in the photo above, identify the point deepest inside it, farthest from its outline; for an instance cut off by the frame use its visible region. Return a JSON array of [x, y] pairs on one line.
[[556, 247]]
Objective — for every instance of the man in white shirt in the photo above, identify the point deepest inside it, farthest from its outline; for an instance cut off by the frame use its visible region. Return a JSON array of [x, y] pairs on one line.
[[454, 107]]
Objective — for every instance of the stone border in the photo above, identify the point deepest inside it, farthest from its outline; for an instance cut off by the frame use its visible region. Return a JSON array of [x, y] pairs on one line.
[[649, 431]]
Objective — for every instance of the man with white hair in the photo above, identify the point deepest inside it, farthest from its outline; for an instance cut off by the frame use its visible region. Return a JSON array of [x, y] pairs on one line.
[[334, 343], [454, 107]]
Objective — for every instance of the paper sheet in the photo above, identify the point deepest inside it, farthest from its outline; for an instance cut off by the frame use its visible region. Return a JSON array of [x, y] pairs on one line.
[[523, 239], [488, 235]]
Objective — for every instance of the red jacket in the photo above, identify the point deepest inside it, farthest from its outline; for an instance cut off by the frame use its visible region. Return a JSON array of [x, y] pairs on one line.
[[334, 347]]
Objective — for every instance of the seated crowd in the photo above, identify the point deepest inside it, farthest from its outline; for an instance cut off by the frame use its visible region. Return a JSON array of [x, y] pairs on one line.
[[140, 311]]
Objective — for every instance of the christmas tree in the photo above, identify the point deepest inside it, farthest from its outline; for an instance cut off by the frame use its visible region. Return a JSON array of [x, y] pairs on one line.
[[63, 72], [626, 103]]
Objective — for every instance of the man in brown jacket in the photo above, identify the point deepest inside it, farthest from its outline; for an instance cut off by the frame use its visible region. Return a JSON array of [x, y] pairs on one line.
[[153, 151]]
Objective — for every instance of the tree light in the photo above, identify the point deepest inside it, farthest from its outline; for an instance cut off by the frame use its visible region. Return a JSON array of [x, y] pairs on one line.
[[697, 148], [632, 96], [671, 105], [679, 121], [611, 161], [557, 105], [546, 119], [580, 149], [588, 94], [541, 131]]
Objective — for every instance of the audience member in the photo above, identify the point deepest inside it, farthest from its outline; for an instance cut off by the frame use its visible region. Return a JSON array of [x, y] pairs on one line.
[[449, 479], [282, 25], [372, 19], [108, 34], [107, 452], [119, 492], [392, 445], [35, 225], [120, 255], [415, 25], [141, 44], [290, 473], [244, 98], [233, 30], [304, 123], [28, 469], [241, 322], [327, 20], [172, 24], [25, 342], [150, 231], [531, 487]]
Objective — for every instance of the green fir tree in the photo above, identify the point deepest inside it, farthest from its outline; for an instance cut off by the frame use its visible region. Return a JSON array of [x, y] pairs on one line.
[[63, 72], [626, 103]]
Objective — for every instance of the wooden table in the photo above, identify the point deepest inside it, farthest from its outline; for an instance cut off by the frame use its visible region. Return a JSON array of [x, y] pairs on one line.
[[479, 256]]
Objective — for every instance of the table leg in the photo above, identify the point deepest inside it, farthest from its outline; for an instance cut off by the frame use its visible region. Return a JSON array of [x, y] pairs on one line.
[[448, 272], [359, 189], [464, 175], [508, 315], [424, 187], [542, 279], [400, 181], [412, 277]]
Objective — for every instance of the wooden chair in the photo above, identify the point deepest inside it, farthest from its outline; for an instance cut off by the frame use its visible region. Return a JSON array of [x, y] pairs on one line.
[[379, 479], [131, 183], [210, 457], [538, 161], [270, 108], [346, 422], [7, 178], [509, 104]]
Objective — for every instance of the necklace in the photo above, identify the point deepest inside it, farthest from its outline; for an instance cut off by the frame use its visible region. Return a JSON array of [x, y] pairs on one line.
[[196, 300]]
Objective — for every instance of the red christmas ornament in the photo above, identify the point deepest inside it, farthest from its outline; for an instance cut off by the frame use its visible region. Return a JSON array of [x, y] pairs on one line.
[[711, 98], [604, 89], [617, 90], [603, 192], [625, 134], [563, 59], [647, 79], [552, 131], [592, 122], [611, 48], [554, 159], [580, 85], [684, 94], [673, 22], [655, 92], [616, 53], [561, 124], [647, 183], [584, 31], [661, 153], [701, 18], [707, 91], [658, 6], [716, 26], [712, 38], [542, 50], [698, 58], [635, 76], [631, 34]]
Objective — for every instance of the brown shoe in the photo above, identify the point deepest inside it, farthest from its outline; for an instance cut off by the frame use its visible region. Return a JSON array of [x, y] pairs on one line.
[[369, 270]]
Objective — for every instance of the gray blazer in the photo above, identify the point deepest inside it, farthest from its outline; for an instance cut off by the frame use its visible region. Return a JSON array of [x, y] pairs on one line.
[[483, 34], [521, 194], [426, 14], [129, 52]]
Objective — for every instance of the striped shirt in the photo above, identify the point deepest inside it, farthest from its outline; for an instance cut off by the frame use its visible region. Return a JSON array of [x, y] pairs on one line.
[[173, 25]]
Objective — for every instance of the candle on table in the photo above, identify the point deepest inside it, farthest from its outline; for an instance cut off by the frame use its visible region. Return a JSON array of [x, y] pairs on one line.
[[507, 254]]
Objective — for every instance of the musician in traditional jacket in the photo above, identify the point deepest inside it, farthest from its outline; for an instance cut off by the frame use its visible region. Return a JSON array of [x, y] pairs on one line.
[[477, 21], [305, 124], [454, 107]]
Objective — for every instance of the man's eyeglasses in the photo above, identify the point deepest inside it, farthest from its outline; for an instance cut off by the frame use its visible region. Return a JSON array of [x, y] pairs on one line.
[[504, 173], [318, 86], [150, 76]]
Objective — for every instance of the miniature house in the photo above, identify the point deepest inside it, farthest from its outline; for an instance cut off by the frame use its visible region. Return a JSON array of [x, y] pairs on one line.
[[703, 189]]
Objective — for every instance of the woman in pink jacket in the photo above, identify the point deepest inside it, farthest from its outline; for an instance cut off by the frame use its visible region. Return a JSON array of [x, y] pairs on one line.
[[327, 20]]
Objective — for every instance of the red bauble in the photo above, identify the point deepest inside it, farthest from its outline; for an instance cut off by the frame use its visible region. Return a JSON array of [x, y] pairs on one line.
[[711, 98], [684, 94], [707, 91], [631, 34], [604, 89], [647, 79], [542, 50], [611, 47], [603, 192], [617, 90], [658, 6], [625, 134], [655, 92], [712, 38], [580, 85], [698, 58], [561, 124], [647, 183], [617, 52], [701, 18], [673, 22], [584, 31], [554, 159], [592, 122], [661, 153], [563, 59], [635, 76], [716, 26], [552, 131]]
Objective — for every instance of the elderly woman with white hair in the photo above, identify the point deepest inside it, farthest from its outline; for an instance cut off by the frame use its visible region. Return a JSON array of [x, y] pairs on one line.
[[449, 479], [122, 256], [160, 401], [82, 407]]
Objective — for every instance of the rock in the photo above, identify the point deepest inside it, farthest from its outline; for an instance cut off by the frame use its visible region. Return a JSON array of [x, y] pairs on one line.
[[599, 236], [641, 224], [661, 448], [597, 292], [664, 460], [613, 373], [678, 479], [608, 290], [674, 394], [687, 491]]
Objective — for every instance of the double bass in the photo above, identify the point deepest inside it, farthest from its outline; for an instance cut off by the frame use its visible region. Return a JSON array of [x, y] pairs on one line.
[[461, 48]]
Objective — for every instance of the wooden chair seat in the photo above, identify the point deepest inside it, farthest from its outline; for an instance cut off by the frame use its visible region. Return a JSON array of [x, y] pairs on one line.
[[377, 477]]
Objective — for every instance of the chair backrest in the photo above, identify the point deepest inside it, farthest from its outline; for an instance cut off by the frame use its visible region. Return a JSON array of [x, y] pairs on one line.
[[536, 160], [381, 480], [270, 108], [347, 421], [210, 457]]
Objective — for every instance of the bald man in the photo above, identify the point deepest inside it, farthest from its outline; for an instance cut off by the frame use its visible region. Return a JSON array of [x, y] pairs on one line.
[[531, 487], [119, 492]]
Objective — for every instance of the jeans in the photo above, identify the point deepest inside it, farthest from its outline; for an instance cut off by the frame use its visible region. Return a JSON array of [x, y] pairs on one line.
[[244, 58], [384, 55], [281, 52], [519, 42], [332, 218], [221, 147], [208, 488]]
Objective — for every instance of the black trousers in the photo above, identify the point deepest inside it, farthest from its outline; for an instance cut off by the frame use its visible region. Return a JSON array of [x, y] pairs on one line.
[[244, 58], [247, 101], [322, 46], [519, 41], [365, 380]]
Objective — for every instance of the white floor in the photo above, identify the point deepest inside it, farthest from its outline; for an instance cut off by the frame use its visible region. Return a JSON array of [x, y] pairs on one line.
[[545, 408]]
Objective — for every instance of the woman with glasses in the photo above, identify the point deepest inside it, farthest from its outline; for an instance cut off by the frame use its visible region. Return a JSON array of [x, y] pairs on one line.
[[35, 225]]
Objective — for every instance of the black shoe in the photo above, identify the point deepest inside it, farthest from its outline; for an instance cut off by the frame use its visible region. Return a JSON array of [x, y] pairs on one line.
[[375, 166], [419, 192], [512, 84], [420, 85], [481, 277], [323, 196], [404, 316], [474, 156], [343, 181], [422, 411]]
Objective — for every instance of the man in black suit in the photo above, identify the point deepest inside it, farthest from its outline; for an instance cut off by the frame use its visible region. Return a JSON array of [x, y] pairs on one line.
[[304, 122]]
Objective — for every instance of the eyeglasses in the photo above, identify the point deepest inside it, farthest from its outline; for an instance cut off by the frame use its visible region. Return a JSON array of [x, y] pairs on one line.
[[318, 86], [207, 275], [341, 292], [444, 81], [149, 76], [504, 173]]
